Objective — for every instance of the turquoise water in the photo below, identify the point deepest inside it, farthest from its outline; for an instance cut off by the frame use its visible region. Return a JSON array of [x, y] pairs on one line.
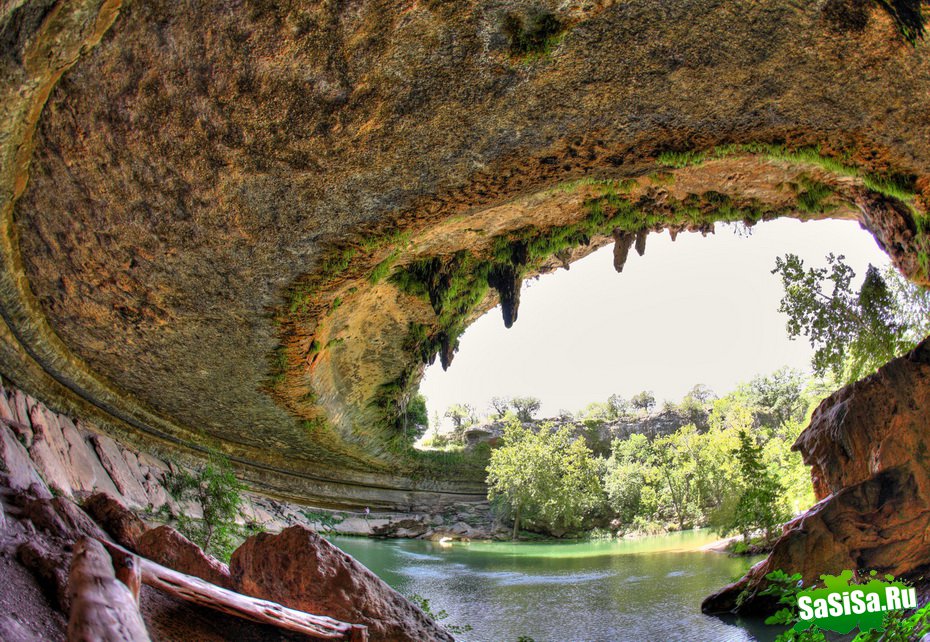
[[646, 590]]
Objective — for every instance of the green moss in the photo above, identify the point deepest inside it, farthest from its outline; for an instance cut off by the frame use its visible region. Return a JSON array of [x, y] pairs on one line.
[[383, 268], [534, 35], [278, 366], [662, 178], [332, 265], [893, 185], [317, 426], [396, 238], [300, 299], [812, 194], [337, 262], [679, 160]]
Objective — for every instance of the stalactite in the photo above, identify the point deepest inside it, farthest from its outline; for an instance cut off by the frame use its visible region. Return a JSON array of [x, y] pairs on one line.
[[448, 346], [623, 241], [641, 241], [507, 280]]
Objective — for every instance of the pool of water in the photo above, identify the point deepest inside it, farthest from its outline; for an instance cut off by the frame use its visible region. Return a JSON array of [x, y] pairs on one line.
[[646, 590]]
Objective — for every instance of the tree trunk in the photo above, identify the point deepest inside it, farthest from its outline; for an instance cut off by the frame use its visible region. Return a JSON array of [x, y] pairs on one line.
[[102, 607], [197, 591], [516, 524]]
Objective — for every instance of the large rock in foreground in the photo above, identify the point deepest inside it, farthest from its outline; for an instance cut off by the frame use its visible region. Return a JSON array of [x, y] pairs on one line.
[[868, 445], [300, 569], [168, 547]]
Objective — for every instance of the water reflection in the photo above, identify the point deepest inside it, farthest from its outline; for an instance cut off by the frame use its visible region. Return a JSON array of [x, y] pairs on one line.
[[645, 589]]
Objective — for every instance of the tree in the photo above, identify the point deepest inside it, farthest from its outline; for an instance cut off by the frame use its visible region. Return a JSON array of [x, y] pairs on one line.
[[852, 333], [415, 414], [780, 397], [644, 401], [544, 476], [676, 465], [500, 406], [619, 407], [462, 416], [628, 468], [526, 407], [759, 506], [214, 487], [701, 393]]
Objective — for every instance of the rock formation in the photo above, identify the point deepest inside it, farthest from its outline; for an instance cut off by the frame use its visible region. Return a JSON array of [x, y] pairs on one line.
[[302, 570], [167, 547], [40, 534], [867, 445], [249, 225], [597, 435], [205, 240]]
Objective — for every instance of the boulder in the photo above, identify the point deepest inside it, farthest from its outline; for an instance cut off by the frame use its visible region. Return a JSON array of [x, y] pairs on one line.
[[59, 518], [58, 523], [168, 547], [48, 562], [869, 450], [121, 523], [872, 425], [406, 527], [300, 569]]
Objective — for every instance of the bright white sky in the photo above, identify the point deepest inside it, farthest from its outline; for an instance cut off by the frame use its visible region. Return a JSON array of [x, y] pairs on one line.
[[699, 310]]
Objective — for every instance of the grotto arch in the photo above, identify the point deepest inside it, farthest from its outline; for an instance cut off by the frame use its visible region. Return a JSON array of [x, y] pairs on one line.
[[257, 252]]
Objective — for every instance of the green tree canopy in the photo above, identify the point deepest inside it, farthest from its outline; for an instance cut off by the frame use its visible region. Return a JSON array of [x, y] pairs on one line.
[[852, 333], [214, 487], [760, 505], [526, 407], [546, 477], [645, 400]]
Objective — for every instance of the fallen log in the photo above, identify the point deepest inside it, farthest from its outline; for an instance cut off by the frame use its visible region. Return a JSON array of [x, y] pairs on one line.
[[195, 590], [102, 608]]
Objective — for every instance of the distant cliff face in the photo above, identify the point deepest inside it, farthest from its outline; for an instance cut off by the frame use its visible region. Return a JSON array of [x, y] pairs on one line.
[[248, 227], [598, 435]]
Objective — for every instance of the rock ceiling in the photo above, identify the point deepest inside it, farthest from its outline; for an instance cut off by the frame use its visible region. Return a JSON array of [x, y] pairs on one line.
[[246, 226]]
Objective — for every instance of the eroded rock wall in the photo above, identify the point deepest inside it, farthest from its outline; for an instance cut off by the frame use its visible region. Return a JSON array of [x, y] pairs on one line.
[[868, 446]]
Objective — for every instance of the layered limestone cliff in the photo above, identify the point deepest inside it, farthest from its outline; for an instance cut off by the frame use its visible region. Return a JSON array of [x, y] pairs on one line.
[[247, 227]]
